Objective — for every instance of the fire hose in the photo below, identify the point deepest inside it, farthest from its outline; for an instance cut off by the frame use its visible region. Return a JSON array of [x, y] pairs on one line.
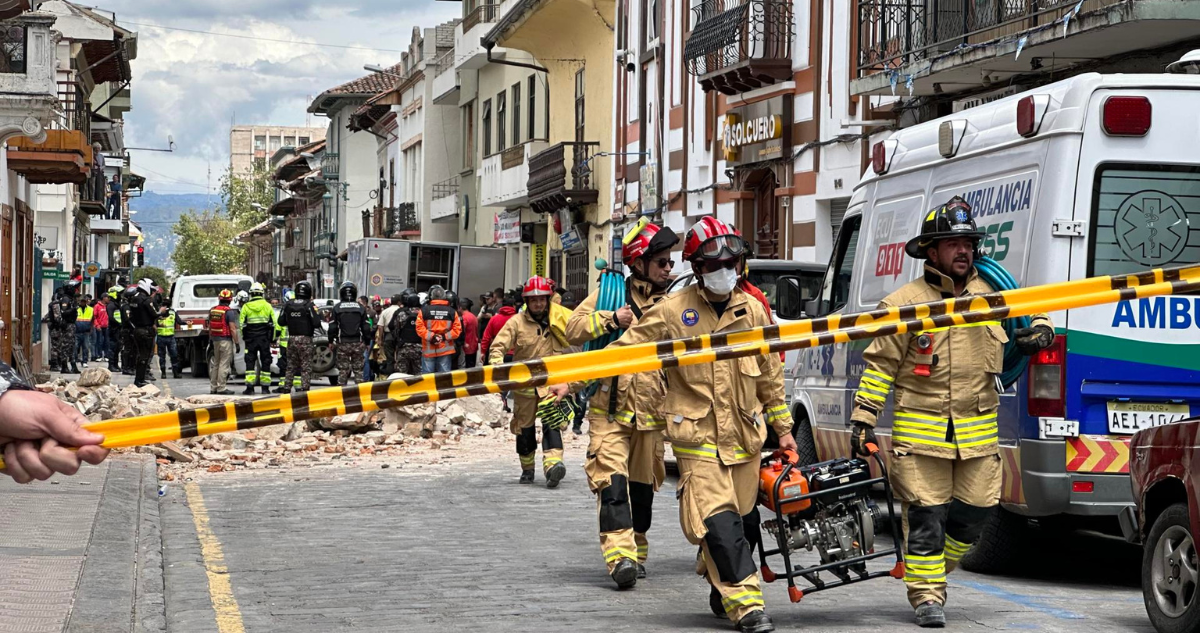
[[653, 356]]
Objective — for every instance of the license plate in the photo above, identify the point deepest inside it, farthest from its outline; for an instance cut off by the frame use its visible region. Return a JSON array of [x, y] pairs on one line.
[[1057, 427], [1130, 417]]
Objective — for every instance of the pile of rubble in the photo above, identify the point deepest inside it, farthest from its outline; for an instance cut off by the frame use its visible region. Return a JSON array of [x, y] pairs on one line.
[[406, 433]]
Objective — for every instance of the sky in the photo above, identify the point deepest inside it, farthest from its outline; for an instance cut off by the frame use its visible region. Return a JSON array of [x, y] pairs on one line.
[[192, 86]]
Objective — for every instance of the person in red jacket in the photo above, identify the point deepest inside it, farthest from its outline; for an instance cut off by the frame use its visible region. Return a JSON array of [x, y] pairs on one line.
[[506, 312], [437, 325], [470, 337]]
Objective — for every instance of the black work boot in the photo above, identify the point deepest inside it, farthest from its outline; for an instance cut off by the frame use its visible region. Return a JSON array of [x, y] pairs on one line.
[[756, 622], [527, 476], [930, 615], [266, 388], [248, 391], [555, 475], [577, 428], [641, 571], [177, 373], [714, 602], [74, 368], [624, 573]]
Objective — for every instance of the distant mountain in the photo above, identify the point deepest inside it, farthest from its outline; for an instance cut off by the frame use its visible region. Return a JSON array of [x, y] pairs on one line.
[[157, 213]]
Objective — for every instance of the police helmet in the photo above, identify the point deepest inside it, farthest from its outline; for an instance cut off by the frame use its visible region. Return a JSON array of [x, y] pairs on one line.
[[348, 291], [304, 291], [412, 300], [952, 219]]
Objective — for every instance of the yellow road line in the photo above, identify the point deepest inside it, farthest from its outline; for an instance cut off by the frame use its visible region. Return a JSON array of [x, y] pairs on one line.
[[220, 590]]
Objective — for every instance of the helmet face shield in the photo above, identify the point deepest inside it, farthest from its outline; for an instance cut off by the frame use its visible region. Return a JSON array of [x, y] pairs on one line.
[[722, 247]]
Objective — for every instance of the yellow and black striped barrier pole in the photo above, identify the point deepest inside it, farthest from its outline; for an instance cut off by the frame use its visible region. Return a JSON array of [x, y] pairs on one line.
[[608, 362]]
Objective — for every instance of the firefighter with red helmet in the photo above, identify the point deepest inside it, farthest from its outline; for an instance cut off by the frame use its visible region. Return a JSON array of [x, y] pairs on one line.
[[528, 335], [625, 444], [716, 418], [946, 464]]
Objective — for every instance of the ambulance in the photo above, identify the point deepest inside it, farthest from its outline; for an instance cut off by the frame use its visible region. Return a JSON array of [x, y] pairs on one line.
[[1093, 175]]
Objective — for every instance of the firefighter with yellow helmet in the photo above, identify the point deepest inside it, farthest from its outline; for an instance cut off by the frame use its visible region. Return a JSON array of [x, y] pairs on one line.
[[716, 418], [945, 465], [625, 433]]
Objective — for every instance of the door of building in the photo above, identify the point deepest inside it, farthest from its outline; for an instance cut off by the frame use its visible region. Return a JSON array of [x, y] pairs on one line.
[[766, 218], [24, 272], [6, 281]]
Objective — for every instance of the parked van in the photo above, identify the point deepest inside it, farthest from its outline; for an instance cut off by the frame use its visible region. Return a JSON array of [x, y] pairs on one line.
[[1093, 175]]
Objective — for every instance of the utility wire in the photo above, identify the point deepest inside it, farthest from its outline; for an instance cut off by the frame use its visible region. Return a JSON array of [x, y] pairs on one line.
[[262, 39]]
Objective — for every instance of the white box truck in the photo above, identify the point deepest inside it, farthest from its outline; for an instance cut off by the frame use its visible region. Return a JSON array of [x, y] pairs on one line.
[[385, 267]]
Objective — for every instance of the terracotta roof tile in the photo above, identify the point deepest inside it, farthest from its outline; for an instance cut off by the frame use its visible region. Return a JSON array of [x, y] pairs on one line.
[[371, 84]]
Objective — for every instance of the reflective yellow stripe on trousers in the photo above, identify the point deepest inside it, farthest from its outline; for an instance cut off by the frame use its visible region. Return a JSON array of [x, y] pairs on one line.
[[707, 450]]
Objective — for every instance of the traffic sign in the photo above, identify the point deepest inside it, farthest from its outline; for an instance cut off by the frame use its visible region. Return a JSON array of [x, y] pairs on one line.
[[55, 274]]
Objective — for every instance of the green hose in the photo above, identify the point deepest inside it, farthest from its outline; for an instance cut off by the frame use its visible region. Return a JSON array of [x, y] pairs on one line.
[[999, 279]]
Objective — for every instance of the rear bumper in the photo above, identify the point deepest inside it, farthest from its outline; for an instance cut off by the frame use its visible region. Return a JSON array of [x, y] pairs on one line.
[[1047, 484]]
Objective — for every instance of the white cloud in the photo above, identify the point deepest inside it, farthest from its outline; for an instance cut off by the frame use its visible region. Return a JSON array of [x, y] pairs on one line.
[[192, 85]]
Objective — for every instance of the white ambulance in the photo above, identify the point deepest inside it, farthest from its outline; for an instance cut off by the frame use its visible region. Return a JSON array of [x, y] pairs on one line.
[[1094, 175]]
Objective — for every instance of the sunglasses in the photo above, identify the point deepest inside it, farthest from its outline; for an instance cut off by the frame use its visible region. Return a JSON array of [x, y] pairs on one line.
[[665, 262]]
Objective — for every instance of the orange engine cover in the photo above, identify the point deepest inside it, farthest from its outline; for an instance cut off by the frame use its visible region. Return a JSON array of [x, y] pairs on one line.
[[794, 486]]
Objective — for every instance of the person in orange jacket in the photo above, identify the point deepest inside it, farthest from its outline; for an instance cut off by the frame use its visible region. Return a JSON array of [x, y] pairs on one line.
[[437, 325]]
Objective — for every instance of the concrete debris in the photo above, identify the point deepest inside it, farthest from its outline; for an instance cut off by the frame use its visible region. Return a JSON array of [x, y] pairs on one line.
[[401, 434]]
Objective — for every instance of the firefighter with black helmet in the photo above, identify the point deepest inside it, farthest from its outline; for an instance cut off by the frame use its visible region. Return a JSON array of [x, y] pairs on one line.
[[350, 331], [716, 418], [257, 319], [302, 321], [625, 447], [946, 464]]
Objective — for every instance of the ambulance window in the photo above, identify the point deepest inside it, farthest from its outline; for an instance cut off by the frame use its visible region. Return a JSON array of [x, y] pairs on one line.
[[1142, 216], [835, 290]]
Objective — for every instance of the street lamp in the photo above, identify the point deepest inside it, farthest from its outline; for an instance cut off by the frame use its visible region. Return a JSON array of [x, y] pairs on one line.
[[170, 146], [376, 68]]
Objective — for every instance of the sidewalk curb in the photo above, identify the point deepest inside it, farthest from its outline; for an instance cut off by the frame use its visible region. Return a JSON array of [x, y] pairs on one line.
[[120, 587]]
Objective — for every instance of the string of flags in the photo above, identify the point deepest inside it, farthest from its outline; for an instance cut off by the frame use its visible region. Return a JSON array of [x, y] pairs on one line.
[[894, 76]]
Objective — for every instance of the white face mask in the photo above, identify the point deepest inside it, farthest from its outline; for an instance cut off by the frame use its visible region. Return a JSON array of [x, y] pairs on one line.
[[720, 282]]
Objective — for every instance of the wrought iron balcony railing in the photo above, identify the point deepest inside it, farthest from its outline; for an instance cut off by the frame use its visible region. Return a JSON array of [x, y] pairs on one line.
[[403, 220], [330, 167], [446, 188], [13, 48], [561, 176], [739, 46], [892, 33], [483, 14]]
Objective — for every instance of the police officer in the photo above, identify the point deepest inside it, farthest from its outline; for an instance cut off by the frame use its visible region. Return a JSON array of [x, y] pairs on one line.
[[128, 346], [165, 328], [407, 351], [625, 447], [712, 414], [281, 335], [528, 335], [65, 326], [116, 329], [351, 332], [142, 319], [257, 321], [946, 464], [301, 319]]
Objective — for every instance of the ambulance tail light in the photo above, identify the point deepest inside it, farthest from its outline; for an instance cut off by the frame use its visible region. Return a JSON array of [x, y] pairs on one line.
[[1047, 378], [1030, 112], [882, 154], [1126, 116]]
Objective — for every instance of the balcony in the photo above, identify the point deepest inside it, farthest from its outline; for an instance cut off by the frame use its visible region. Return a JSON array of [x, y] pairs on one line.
[[561, 177], [64, 157], [504, 177], [468, 53], [444, 207], [104, 226], [93, 195], [403, 221], [330, 166], [445, 79], [739, 47], [950, 45], [28, 94]]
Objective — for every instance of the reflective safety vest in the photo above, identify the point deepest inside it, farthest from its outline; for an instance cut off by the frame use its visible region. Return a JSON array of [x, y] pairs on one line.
[[216, 322], [283, 335], [84, 314], [114, 312], [257, 318], [166, 325]]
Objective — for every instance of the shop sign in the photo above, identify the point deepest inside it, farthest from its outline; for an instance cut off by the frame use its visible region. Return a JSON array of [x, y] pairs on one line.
[[507, 228], [537, 259], [571, 241], [757, 132]]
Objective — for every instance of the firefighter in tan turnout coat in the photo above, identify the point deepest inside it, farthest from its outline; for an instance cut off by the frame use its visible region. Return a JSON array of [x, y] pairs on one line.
[[625, 442], [945, 465], [716, 418]]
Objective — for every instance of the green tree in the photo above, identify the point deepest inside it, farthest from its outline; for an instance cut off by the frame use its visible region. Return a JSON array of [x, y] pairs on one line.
[[158, 275], [207, 245], [240, 194]]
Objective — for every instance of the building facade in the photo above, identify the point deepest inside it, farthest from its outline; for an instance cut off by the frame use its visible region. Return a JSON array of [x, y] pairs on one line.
[[252, 146]]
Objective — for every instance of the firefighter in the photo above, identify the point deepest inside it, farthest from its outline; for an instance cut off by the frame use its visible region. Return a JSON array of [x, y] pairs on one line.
[[223, 333], [438, 326], [529, 336], [165, 328], [302, 321], [257, 320], [351, 332], [946, 463], [712, 414], [142, 320], [407, 353], [625, 447]]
